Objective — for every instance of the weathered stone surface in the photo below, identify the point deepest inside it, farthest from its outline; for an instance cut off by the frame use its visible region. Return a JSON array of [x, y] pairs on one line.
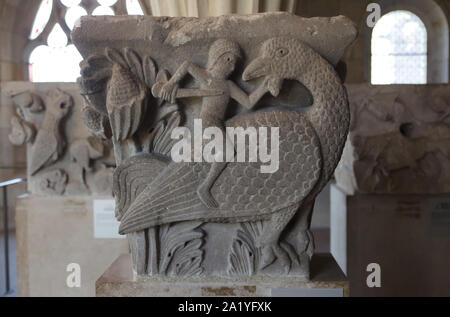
[[62, 156], [119, 281], [399, 140], [217, 218]]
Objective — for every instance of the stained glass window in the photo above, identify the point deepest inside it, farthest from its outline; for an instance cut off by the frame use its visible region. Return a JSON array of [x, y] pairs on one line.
[[399, 50], [58, 60]]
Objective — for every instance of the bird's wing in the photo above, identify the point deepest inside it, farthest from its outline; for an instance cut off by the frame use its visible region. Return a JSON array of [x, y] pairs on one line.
[[242, 187], [132, 176], [242, 192], [43, 150]]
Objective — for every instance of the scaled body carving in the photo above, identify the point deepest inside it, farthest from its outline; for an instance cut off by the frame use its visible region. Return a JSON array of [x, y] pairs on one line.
[[242, 221]]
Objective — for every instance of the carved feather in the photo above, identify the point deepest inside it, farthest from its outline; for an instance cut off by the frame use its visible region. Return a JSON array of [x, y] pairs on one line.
[[134, 63], [252, 196], [132, 176]]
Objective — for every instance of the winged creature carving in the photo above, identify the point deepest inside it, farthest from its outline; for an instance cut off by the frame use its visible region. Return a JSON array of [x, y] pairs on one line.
[[310, 146], [50, 143]]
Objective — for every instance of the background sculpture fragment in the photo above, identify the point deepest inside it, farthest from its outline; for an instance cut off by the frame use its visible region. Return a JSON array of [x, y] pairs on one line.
[[407, 147], [116, 84], [63, 157]]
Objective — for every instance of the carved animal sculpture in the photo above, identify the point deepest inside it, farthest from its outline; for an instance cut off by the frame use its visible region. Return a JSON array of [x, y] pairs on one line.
[[310, 146], [50, 143]]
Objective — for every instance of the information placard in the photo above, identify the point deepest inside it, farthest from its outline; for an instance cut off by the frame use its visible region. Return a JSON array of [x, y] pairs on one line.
[[105, 224]]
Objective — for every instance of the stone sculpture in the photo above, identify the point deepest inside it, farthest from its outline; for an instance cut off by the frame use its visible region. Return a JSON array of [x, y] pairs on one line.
[[406, 149], [218, 218], [63, 158], [50, 143]]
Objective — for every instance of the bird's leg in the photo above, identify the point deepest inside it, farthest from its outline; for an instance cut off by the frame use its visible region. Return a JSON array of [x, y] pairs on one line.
[[270, 243], [302, 221], [204, 189]]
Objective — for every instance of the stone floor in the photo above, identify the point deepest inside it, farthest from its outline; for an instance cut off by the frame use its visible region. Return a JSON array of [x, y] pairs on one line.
[[13, 264]]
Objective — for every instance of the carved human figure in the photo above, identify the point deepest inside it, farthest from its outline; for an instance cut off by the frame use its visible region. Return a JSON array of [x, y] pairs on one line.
[[222, 58]]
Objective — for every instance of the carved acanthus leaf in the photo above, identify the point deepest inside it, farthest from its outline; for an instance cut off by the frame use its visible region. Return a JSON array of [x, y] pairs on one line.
[[244, 254], [181, 253], [159, 140]]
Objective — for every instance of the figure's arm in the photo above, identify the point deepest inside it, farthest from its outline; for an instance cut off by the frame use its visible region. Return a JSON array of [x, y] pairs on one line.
[[167, 91], [248, 101], [187, 67]]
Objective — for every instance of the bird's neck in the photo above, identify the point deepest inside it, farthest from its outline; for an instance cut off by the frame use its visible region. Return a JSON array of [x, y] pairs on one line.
[[330, 114]]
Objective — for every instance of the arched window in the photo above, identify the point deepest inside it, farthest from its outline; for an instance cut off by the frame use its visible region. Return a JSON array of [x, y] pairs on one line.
[[399, 49], [54, 58]]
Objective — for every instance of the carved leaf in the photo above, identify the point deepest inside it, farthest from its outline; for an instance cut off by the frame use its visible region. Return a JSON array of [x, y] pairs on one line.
[[149, 70], [245, 255], [160, 140], [180, 249], [134, 63], [116, 57]]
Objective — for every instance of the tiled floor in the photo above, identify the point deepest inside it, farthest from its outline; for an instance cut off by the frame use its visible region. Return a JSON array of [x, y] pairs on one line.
[[12, 265]]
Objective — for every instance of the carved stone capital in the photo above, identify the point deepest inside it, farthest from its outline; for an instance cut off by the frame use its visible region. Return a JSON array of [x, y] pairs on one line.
[[153, 81]]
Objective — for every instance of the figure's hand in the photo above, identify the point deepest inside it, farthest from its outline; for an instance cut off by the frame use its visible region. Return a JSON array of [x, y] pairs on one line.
[[168, 92], [273, 85]]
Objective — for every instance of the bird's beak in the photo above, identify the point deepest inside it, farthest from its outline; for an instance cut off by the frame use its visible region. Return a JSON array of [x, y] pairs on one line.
[[257, 68]]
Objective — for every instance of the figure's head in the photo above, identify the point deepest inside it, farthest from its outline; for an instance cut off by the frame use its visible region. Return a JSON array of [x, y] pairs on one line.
[[280, 58], [222, 58], [60, 103]]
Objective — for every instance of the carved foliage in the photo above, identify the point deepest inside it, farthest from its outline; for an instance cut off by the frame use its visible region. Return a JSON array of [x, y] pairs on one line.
[[181, 253], [244, 255], [116, 86]]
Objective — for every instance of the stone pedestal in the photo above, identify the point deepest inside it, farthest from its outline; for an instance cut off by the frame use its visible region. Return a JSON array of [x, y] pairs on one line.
[[53, 232], [407, 235], [326, 280]]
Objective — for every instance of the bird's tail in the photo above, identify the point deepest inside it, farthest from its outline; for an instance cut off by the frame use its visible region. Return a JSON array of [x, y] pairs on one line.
[[171, 197]]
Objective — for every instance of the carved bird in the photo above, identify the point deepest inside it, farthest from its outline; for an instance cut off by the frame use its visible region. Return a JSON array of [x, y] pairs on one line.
[[50, 143], [310, 146]]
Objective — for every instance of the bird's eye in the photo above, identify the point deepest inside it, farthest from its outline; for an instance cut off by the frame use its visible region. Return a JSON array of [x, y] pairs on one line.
[[63, 105], [282, 52]]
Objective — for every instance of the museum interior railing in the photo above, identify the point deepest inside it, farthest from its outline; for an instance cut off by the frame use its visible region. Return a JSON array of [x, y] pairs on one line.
[[4, 186]]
